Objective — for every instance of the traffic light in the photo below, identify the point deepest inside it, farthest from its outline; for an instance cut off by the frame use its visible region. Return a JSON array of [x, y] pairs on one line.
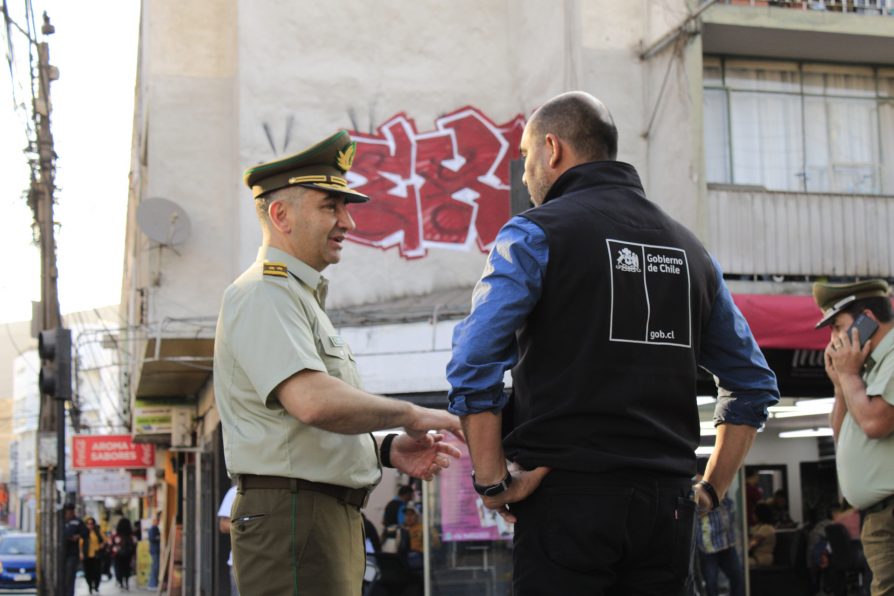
[[54, 347]]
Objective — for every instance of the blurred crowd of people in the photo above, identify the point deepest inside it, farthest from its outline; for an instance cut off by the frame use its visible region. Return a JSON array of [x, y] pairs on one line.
[[101, 550]]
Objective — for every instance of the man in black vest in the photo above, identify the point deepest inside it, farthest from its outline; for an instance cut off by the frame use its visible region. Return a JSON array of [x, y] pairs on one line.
[[603, 307]]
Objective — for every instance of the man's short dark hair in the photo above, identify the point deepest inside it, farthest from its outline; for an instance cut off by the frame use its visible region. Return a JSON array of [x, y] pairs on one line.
[[581, 121], [878, 306], [405, 490], [68, 507]]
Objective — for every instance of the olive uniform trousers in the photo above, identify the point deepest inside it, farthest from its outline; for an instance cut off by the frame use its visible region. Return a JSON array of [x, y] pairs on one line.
[[296, 542]]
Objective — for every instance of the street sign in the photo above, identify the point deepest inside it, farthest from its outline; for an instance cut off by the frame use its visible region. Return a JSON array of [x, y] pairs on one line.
[[110, 451]]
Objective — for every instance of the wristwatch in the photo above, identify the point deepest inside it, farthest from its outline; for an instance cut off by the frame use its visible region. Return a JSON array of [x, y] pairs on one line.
[[494, 489], [712, 493]]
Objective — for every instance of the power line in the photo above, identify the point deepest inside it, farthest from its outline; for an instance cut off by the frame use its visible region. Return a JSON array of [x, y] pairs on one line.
[[105, 391], [18, 106], [16, 347], [10, 21], [108, 389]]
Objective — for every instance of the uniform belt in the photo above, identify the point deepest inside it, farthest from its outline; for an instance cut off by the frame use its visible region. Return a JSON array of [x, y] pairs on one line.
[[350, 496], [883, 504]]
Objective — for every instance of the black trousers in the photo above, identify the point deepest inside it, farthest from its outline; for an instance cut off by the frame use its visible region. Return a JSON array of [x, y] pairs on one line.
[[624, 533], [71, 570], [93, 571]]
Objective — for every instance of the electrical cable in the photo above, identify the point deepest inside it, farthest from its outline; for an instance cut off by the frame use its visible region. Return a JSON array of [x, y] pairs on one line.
[[105, 391], [16, 347]]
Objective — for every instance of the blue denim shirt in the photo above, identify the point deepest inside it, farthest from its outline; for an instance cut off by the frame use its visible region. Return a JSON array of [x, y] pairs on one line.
[[484, 344]]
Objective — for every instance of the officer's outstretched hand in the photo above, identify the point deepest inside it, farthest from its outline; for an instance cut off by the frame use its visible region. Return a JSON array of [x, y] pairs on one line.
[[524, 482], [426, 419], [422, 457]]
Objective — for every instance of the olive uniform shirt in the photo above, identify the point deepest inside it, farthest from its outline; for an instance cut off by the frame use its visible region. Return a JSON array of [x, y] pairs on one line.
[[866, 466], [271, 326]]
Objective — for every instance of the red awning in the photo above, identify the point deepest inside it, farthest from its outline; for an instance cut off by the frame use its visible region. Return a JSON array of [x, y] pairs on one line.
[[783, 321]]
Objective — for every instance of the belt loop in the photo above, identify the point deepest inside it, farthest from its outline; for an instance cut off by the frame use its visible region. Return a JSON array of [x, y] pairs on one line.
[[293, 485], [240, 488]]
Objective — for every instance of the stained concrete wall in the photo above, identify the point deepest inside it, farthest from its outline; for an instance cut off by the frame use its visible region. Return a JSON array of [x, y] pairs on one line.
[[219, 84]]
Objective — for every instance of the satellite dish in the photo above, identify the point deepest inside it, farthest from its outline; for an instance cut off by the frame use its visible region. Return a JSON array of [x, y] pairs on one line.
[[163, 221]]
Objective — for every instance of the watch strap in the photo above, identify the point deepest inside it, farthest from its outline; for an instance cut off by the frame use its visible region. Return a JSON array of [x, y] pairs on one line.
[[709, 488], [492, 490], [385, 451]]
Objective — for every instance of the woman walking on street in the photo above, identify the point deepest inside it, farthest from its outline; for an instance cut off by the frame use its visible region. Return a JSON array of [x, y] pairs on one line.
[[123, 549], [92, 549]]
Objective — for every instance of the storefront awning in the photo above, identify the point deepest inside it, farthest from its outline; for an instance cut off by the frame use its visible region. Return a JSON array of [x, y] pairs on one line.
[[175, 368], [783, 321]]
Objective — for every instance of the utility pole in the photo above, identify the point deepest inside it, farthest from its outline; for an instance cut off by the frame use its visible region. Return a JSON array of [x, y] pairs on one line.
[[51, 423]]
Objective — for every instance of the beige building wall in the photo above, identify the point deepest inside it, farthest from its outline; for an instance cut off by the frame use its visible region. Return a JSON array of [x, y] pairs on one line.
[[219, 84], [15, 338], [6, 437]]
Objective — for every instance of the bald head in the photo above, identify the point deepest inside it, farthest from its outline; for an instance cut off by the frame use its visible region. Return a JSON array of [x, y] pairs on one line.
[[581, 121]]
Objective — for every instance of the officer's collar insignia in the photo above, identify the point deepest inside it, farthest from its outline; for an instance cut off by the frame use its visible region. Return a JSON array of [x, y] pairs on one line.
[[345, 158], [276, 269]]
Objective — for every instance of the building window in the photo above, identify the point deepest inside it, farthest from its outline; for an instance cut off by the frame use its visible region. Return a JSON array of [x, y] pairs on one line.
[[799, 126]]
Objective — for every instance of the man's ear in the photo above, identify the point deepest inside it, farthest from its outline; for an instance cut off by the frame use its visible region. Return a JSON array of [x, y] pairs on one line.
[[554, 145], [870, 314], [278, 213]]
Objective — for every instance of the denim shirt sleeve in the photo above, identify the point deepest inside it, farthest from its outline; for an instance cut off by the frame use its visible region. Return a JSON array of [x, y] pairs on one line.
[[746, 386], [484, 343]]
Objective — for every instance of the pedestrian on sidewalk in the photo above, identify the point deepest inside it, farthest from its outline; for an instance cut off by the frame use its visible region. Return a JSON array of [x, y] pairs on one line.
[[92, 549], [72, 534], [123, 550], [154, 536]]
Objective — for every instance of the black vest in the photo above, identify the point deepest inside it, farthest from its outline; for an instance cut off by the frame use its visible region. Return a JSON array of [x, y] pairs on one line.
[[607, 368]]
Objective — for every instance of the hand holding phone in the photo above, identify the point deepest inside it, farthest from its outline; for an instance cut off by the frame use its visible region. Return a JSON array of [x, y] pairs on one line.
[[866, 326]]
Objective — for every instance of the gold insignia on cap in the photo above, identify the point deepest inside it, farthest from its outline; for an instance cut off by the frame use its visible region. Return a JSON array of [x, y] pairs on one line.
[[320, 180], [345, 157], [276, 269]]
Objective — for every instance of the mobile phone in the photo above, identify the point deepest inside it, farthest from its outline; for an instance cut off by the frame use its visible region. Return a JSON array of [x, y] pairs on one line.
[[865, 326]]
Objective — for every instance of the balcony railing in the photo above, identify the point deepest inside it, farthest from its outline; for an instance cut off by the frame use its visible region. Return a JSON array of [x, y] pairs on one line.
[[868, 7], [754, 231]]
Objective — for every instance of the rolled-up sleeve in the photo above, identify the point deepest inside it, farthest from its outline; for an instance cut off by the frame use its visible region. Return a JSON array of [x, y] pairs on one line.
[[746, 386], [484, 343]]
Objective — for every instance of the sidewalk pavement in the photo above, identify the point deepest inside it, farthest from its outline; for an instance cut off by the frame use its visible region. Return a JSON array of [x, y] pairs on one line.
[[109, 587]]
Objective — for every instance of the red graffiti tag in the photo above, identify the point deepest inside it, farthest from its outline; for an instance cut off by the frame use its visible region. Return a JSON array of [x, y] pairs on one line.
[[446, 188]]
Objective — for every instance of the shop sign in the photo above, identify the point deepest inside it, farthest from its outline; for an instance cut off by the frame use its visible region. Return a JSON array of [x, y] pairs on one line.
[[110, 451], [105, 483], [152, 417]]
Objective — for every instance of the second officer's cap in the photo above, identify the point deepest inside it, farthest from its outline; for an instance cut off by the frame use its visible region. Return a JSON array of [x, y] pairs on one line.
[[833, 298]]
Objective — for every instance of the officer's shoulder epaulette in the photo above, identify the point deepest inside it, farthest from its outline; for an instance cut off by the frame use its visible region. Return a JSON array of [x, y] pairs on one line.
[[272, 269]]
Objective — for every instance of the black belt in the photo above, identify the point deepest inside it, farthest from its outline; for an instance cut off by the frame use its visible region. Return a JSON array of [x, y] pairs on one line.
[[356, 497], [883, 504]]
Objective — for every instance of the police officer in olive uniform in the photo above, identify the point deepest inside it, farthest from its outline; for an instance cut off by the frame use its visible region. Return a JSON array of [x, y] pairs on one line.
[[860, 363], [296, 425]]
